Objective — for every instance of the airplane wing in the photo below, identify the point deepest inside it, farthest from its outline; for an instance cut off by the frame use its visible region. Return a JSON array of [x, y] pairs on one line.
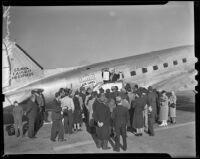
[[181, 82]]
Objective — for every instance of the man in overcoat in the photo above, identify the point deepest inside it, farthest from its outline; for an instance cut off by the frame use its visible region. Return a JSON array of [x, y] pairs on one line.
[[102, 117], [31, 113], [121, 120]]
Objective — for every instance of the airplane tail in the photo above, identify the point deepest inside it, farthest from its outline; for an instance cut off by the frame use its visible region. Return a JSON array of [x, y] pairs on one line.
[[18, 67]]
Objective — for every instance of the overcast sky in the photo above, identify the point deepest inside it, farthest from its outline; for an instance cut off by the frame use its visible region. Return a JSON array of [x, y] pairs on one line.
[[65, 36]]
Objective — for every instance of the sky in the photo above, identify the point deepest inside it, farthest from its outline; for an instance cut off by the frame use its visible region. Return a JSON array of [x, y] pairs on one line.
[[67, 36]]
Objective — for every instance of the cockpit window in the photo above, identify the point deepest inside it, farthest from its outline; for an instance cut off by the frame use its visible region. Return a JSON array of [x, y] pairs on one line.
[[165, 65], [144, 70], [155, 67]]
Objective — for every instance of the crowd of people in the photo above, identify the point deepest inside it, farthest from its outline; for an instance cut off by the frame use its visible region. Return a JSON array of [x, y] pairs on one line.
[[106, 114]]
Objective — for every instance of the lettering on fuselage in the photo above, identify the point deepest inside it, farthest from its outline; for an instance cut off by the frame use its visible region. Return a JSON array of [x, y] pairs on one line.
[[22, 72], [88, 80]]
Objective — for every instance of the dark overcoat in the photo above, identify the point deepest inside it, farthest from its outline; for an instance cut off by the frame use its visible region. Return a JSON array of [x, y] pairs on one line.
[[152, 101], [56, 110], [138, 120], [102, 114], [77, 110]]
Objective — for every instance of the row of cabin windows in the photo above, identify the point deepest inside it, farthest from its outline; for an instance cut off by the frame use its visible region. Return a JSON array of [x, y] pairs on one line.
[[144, 70]]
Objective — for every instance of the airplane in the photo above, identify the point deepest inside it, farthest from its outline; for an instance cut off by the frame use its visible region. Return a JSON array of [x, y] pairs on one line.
[[168, 69]]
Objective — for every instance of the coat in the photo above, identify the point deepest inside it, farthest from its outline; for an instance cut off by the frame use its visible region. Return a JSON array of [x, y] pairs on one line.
[[172, 110], [102, 114], [164, 108], [120, 116], [32, 109], [138, 120], [152, 101], [56, 110], [77, 110]]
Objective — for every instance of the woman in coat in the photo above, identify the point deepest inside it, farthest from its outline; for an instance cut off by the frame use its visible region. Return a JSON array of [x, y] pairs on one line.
[[138, 120], [172, 107], [164, 109], [77, 118]]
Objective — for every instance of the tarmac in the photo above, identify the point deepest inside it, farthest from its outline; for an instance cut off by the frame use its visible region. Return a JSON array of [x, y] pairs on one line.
[[177, 140]]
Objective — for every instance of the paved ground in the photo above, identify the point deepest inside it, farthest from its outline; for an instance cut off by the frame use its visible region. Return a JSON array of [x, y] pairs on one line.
[[177, 140]]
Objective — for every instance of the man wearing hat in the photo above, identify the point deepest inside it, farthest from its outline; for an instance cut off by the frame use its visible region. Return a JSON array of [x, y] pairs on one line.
[[102, 117], [31, 113], [121, 120]]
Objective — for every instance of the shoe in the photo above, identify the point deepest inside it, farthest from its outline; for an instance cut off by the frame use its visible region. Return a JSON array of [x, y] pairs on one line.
[[137, 134], [116, 149], [106, 148], [151, 135], [124, 148], [140, 134], [34, 137], [61, 140], [53, 140]]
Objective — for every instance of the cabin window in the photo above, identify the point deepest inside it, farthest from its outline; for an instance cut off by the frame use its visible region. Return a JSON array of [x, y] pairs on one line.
[[155, 67], [165, 65], [144, 70], [175, 62], [184, 60], [133, 73]]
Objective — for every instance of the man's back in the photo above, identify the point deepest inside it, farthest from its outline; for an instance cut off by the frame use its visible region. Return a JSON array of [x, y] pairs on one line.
[[56, 110], [120, 115], [32, 109]]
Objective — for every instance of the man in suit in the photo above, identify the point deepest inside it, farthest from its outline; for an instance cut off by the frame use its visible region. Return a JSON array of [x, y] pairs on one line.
[[121, 120], [152, 103], [57, 125], [31, 113], [102, 117], [18, 114]]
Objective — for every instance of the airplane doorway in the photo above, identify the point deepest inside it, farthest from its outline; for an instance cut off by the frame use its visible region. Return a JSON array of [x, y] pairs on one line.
[[112, 75]]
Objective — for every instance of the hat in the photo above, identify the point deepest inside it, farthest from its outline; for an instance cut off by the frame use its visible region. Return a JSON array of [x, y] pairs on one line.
[[15, 102], [150, 88]]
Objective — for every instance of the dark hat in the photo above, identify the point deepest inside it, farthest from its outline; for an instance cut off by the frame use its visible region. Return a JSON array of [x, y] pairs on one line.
[[76, 93], [33, 91], [15, 101], [40, 90], [150, 88], [101, 90]]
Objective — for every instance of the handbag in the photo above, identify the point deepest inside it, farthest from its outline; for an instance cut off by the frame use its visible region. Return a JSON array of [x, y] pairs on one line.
[[10, 130]]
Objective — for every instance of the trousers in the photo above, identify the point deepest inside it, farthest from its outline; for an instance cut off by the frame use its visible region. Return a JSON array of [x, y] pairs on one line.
[[68, 122], [57, 129], [120, 130]]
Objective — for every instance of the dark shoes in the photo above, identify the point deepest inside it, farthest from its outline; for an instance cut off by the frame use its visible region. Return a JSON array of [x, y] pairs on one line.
[[117, 149], [106, 148], [124, 148], [61, 140], [53, 140], [138, 134]]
